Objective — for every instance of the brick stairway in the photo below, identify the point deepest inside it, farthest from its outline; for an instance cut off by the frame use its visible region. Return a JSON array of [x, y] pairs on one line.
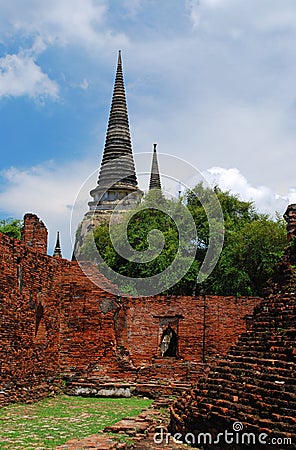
[[254, 384]]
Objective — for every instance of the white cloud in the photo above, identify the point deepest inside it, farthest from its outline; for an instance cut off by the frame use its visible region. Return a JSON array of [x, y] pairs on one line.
[[265, 200], [64, 22], [199, 9], [292, 195], [84, 85], [257, 139], [59, 23], [20, 75], [220, 17]]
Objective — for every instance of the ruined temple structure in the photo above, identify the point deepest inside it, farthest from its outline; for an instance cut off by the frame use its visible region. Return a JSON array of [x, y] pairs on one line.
[[117, 188], [253, 385], [290, 217], [57, 250], [234, 358], [57, 324], [117, 178], [155, 182]]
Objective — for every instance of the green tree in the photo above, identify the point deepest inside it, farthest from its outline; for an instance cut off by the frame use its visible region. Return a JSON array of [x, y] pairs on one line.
[[253, 243], [155, 239], [11, 227], [249, 258], [236, 213]]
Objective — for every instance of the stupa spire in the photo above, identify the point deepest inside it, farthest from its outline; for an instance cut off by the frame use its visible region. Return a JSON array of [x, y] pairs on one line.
[[117, 171], [154, 176], [117, 189], [57, 250]]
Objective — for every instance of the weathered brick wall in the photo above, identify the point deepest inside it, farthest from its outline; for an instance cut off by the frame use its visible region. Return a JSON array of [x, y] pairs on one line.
[[206, 327], [105, 338], [34, 233], [29, 322], [290, 218], [53, 319], [88, 344], [56, 322]]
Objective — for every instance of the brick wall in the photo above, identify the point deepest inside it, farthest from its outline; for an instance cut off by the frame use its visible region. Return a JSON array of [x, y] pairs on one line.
[[88, 345], [290, 218], [34, 233], [55, 322], [29, 322], [206, 327], [50, 318], [104, 338]]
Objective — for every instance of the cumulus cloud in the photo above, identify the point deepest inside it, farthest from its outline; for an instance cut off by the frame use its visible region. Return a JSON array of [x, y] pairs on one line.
[[256, 139], [265, 200], [223, 17], [292, 195], [20, 75], [64, 22], [83, 85], [199, 9], [36, 25]]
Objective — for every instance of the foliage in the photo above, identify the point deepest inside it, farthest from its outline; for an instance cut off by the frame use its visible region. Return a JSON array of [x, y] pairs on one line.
[[11, 227], [235, 211], [147, 241], [250, 256], [253, 243]]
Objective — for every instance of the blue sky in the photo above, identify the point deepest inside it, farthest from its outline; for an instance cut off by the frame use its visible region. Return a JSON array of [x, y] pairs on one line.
[[212, 81]]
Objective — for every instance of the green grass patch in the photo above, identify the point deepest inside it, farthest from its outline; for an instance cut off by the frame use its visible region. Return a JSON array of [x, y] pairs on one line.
[[54, 421]]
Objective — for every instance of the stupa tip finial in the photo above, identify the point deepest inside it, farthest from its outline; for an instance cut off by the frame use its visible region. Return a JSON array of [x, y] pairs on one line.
[[154, 176], [57, 251]]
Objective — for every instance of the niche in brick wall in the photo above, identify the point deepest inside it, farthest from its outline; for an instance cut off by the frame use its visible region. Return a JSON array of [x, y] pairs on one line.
[[40, 329], [169, 343], [19, 275], [168, 335]]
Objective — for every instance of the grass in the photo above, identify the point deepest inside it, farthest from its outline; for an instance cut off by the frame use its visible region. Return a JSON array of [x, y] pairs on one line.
[[54, 421]]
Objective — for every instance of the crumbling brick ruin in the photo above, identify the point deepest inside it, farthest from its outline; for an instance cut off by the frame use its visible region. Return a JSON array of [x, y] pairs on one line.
[[57, 324], [290, 217], [254, 384], [58, 327]]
